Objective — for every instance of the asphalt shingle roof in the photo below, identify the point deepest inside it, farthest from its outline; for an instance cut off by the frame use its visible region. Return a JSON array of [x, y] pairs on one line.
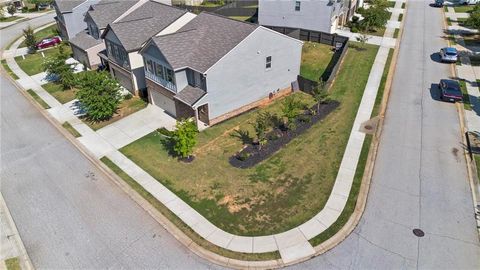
[[202, 41], [67, 5], [144, 22], [84, 41], [189, 95], [107, 11]]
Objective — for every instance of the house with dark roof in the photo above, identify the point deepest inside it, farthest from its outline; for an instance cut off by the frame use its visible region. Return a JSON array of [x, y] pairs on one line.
[[70, 14], [88, 43], [214, 68], [125, 37]]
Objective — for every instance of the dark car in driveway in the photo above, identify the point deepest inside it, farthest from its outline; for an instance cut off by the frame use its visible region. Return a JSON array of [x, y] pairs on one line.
[[450, 91], [49, 42]]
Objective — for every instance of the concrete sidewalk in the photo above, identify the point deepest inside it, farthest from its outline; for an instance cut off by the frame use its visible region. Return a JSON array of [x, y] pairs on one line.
[[293, 245]]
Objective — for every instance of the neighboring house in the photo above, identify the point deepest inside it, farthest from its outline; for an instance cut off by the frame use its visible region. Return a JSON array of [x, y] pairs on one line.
[[187, 2], [214, 68], [87, 44], [317, 15], [70, 15], [126, 36]]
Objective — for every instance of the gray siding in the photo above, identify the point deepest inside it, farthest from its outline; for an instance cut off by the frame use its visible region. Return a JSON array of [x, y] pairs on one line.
[[241, 78], [316, 15], [74, 21]]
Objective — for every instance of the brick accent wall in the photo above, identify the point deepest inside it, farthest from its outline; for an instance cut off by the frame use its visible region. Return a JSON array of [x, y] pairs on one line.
[[261, 102]]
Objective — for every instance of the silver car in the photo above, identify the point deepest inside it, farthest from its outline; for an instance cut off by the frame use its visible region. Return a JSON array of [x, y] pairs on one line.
[[449, 55]]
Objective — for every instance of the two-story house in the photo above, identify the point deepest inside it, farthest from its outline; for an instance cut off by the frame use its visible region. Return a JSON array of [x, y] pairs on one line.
[[214, 68], [87, 44], [317, 15], [126, 36], [70, 14]]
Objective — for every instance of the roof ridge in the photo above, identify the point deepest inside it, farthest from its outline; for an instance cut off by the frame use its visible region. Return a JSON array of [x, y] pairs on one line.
[[134, 20]]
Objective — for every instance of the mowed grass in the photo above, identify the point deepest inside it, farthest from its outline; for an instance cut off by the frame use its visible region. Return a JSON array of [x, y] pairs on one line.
[[44, 33], [181, 225], [315, 59], [464, 8], [71, 129], [62, 95], [126, 107], [33, 63], [9, 19], [466, 97], [38, 99], [278, 194], [8, 70]]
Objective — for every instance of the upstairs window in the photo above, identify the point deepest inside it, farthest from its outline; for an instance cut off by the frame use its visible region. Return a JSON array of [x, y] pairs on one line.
[[159, 71], [149, 66], [268, 62], [297, 5]]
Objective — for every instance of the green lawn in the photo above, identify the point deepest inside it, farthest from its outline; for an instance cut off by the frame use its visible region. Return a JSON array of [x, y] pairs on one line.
[[403, 5], [57, 91], [13, 264], [377, 32], [8, 70], [464, 8], [9, 19], [400, 17], [33, 63], [38, 99], [44, 33], [71, 129], [181, 225], [466, 96], [275, 195], [381, 88], [126, 107], [396, 33], [391, 4], [315, 59]]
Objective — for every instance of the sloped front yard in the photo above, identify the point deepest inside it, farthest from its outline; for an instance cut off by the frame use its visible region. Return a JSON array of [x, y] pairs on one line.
[[281, 192]]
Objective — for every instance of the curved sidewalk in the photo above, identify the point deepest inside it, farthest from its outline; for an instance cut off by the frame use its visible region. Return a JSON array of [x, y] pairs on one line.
[[293, 245]]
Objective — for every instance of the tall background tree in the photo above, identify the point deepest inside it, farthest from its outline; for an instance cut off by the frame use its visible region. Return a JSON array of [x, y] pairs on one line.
[[30, 39], [99, 94], [473, 20]]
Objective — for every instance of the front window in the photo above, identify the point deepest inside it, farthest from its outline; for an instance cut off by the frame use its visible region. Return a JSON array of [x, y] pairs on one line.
[[268, 62], [297, 5], [159, 71], [149, 66], [169, 75]]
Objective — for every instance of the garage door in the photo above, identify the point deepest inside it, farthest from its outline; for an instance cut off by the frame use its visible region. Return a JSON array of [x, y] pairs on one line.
[[124, 80], [163, 102]]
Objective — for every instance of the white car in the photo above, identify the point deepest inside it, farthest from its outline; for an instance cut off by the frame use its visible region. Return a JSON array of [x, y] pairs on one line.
[[449, 55], [468, 2]]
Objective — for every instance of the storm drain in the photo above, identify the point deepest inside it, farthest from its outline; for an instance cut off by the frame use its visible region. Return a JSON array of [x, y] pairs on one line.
[[418, 233]]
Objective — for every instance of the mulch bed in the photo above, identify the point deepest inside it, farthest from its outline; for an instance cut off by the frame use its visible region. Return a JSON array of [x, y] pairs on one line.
[[252, 154]]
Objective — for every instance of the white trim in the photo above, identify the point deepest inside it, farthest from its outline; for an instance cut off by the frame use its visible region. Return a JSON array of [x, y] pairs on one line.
[[257, 29]]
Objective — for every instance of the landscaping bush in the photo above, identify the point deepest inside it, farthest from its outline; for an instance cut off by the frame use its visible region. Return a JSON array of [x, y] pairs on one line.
[[374, 17], [291, 109], [11, 9], [184, 138], [99, 95], [473, 20], [56, 66]]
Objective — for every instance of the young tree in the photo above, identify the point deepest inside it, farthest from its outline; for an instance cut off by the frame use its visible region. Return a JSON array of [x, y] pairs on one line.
[[11, 9], [376, 15], [56, 66], [261, 125], [320, 94], [185, 138], [362, 38], [99, 94], [30, 39], [290, 109]]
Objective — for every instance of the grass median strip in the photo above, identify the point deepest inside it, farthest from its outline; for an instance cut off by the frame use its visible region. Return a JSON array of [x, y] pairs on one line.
[[466, 97], [13, 264], [71, 129], [38, 99], [181, 225], [8, 70], [273, 196], [381, 88]]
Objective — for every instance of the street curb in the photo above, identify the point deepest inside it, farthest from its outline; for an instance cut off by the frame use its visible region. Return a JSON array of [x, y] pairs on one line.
[[25, 262], [332, 242]]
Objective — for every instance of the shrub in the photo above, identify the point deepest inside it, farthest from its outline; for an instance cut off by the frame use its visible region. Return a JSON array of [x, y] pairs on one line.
[[261, 125], [128, 96], [99, 94], [243, 156], [11, 9], [185, 138], [56, 66], [290, 108]]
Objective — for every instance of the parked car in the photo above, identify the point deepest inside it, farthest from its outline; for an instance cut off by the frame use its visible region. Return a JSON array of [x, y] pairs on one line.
[[468, 2], [450, 91], [449, 55], [438, 3], [49, 42]]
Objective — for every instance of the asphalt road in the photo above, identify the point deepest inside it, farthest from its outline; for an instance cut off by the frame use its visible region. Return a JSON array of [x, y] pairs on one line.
[[420, 177], [67, 213]]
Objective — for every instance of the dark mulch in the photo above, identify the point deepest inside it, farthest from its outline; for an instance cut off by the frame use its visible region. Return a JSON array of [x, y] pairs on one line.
[[252, 154]]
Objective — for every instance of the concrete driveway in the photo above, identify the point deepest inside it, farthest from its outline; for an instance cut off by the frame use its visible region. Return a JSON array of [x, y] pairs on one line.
[[135, 126]]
